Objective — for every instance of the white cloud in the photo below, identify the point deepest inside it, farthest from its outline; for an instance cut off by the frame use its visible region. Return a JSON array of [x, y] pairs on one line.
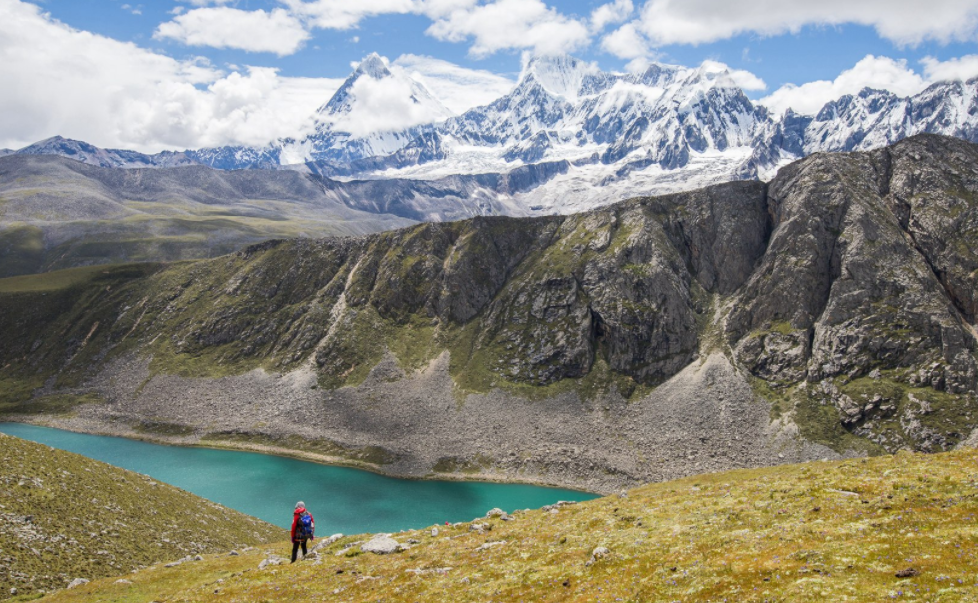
[[742, 78], [901, 21], [344, 14], [435, 9], [961, 68], [874, 72], [383, 105], [222, 27], [491, 26], [611, 13], [457, 87], [58, 80], [626, 43], [511, 24]]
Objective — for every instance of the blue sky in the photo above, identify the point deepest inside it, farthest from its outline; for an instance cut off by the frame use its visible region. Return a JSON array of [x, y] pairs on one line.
[[815, 52], [261, 66]]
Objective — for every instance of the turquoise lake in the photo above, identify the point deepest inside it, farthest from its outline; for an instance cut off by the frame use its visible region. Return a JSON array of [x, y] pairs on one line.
[[341, 499]]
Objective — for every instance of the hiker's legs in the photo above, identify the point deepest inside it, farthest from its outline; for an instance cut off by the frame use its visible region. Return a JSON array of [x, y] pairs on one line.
[[303, 548], [295, 550]]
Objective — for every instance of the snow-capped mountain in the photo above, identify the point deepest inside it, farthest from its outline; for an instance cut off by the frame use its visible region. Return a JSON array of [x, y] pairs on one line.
[[347, 126], [564, 108], [624, 134], [598, 136], [88, 153], [875, 118]]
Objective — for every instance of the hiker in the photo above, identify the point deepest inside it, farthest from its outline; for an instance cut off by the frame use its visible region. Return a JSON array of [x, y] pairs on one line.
[[303, 529]]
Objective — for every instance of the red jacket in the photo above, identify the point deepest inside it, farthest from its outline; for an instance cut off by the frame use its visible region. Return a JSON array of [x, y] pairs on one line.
[[295, 521]]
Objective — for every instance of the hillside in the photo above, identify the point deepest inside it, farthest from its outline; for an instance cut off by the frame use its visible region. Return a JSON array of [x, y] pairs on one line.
[[893, 527], [60, 213], [64, 516], [828, 313]]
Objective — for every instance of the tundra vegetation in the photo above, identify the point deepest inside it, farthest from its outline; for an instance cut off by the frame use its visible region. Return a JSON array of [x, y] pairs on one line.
[[897, 527], [64, 517]]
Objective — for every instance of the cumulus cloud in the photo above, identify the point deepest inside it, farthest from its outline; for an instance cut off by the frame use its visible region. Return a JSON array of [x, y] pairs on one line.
[[901, 21], [742, 78], [961, 68], [874, 72], [611, 13], [459, 88], [206, 2], [221, 27], [626, 42], [384, 105], [343, 14], [116, 94], [511, 24]]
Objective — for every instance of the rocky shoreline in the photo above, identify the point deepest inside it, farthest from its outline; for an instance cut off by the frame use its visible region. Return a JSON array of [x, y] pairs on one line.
[[705, 419]]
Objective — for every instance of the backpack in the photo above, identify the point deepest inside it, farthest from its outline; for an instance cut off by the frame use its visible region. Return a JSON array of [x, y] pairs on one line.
[[305, 528]]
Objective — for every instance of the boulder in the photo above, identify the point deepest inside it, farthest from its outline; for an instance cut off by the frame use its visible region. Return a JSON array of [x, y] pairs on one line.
[[381, 544]]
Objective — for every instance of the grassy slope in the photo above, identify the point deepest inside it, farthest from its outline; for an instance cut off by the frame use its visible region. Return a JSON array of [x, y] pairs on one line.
[[835, 531], [89, 519], [71, 304], [56, 213]]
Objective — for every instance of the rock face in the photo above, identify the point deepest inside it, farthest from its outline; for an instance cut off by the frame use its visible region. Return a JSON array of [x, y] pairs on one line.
[[620, 345]]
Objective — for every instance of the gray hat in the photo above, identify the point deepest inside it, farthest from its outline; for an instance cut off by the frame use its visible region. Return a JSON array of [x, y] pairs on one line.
[[300, 504]]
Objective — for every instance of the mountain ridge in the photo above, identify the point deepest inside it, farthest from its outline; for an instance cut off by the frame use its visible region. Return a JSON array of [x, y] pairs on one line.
[[826, 313], [667, 129]]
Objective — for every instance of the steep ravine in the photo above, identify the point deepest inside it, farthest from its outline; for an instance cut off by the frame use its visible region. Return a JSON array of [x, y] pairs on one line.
[[740, 325]]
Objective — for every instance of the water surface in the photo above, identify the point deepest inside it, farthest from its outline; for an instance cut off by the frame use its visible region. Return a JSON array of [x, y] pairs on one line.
[[341, 499]]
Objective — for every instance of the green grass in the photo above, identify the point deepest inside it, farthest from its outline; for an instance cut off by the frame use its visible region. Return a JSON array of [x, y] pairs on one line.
[[57, 404], [823, 531], [63, 279], [21, 249], [822, 423], [64, 516]]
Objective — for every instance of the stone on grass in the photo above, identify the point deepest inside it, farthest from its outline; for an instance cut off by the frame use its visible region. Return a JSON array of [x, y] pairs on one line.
[[598, 553], [77, 582], [381, 544]]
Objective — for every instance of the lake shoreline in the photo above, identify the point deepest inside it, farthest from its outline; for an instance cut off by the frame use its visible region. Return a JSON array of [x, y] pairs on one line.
[[88, 426]]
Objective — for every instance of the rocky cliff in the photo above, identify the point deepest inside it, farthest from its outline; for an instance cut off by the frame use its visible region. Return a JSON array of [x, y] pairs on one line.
[[828, 312]]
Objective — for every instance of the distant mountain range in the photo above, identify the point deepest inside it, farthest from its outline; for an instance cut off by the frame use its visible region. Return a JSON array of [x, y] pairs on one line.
[[613, 135]]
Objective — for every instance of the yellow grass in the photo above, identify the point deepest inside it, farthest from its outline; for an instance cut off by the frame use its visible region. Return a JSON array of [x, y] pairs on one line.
[[826, 531]]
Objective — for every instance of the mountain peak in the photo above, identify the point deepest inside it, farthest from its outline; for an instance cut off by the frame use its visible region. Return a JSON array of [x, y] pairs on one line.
[[658, 74], [560, 75], [373, 65]]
